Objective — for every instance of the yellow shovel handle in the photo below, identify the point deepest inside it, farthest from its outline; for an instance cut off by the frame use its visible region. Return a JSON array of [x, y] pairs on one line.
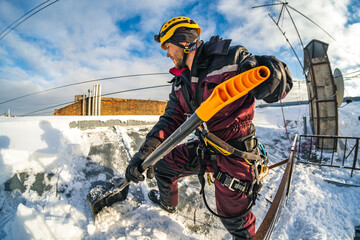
[[231, 90]]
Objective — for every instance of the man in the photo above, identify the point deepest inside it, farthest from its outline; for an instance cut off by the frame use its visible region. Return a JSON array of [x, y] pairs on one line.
[[199, 67]]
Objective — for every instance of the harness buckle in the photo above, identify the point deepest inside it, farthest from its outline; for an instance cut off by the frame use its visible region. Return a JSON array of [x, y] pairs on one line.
[[233, 183]]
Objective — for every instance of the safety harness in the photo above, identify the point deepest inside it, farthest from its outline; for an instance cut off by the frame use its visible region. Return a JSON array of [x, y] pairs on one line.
[[249, 150]]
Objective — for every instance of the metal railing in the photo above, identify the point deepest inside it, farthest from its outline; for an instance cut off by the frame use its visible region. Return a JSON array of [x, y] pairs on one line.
[[343, 154], [314, 151], [271, 219]]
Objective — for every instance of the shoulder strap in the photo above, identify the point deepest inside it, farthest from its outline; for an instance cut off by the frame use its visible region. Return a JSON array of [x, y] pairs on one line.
[[198, 90], [188, 99]]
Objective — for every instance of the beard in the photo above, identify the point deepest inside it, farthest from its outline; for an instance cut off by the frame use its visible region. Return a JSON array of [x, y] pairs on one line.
[[178, 60]]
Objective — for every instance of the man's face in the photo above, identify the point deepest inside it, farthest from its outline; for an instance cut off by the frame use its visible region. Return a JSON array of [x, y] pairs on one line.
[[175, 53]]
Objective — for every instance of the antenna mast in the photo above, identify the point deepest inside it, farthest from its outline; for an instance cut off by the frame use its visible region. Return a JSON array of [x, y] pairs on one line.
[[285, 6]]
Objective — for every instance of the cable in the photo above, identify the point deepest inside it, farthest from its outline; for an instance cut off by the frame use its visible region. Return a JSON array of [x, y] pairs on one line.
[[318, 27], [283, 16], [58, 105], [286, 130], [130, 90], [351, 78], [276, 23], [87, 81], [351, 73], [283, 33], [22, 16], [28, 18], [266, 5], [312, 22], [136, 89], [292, 20]]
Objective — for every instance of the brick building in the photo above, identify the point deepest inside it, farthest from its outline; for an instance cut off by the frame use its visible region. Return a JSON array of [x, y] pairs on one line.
[[111, 106]]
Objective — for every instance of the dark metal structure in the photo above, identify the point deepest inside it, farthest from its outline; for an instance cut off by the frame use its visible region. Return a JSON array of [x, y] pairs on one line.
[[321, 92]]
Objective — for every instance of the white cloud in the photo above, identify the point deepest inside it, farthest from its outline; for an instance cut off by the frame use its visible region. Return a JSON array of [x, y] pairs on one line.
[[72, 41], [254, 29]]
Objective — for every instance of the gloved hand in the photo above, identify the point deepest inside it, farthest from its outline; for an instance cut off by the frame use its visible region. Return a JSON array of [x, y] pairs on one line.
[[279, 82], [134, 170], [249, 63]]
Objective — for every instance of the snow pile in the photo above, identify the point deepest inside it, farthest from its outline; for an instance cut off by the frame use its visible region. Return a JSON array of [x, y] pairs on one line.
[[48, 165], [317, 209]]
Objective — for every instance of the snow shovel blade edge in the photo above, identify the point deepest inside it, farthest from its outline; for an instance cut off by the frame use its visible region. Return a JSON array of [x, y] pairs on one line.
[[107, 194]]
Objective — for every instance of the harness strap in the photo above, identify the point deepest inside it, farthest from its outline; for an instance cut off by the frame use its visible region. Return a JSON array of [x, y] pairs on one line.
[[187, 93], [245, 212], [246, 143], [212, 142], [192, 165], [233, 183], [183, 64], [226, 149], [251, 189]]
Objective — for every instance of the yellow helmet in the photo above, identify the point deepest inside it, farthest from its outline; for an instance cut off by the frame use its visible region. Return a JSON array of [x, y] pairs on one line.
[[168, 28]]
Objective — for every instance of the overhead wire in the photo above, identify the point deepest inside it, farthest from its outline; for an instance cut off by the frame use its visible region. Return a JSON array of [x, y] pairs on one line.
[[351, 78], [270, 4], [8, 27], [288, 41], [12, 28], [315, 24], [319, 27], [107, 94], [281, 15], [83, 82], [351, 73], [286, 5], [293, 22]]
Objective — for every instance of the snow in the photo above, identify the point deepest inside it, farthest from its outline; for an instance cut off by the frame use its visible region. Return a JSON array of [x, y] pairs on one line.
[[48, 165]]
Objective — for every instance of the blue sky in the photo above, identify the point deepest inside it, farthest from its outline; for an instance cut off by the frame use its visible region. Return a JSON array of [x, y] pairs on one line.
[[74, 41]]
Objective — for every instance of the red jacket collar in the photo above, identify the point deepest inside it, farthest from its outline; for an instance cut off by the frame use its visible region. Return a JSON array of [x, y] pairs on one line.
[[176, 71]]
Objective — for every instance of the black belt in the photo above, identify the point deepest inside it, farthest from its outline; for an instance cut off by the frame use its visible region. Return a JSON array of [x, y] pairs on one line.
[[232, 183]]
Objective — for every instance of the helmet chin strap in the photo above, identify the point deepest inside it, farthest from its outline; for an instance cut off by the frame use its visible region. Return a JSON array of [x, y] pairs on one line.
[[186, 51]]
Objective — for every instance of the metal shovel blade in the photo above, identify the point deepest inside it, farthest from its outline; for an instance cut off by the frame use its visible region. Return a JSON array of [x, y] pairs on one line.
[[95, 197]]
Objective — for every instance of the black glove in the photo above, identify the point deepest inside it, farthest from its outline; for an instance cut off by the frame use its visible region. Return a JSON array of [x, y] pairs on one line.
[[249, 63], [279, 82], [134, 171]]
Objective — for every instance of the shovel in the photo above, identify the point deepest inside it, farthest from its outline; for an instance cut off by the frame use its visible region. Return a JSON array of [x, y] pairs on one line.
[[224, 94]]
